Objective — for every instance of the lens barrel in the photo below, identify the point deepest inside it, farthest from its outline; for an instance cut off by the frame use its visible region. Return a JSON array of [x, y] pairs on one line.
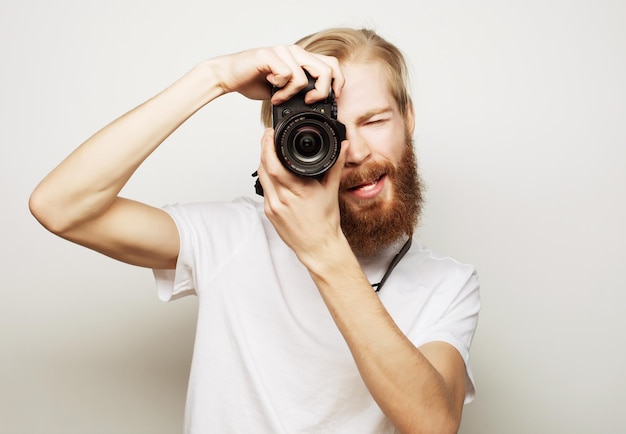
[[307, 143]]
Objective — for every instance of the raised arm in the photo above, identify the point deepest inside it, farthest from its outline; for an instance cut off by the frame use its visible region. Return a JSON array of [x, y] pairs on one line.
[[79, 199]]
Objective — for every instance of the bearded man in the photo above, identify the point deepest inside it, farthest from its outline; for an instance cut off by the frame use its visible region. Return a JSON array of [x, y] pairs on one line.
[[318, 311]]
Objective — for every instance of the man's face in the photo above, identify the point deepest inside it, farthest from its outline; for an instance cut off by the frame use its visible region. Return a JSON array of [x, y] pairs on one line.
[[380, 192]]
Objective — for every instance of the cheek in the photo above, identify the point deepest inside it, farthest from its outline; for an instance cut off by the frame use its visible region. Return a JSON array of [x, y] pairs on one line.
[[389, 144]]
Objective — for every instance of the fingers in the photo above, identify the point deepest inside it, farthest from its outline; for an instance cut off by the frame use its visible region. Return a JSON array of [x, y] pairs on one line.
[[324, 69], [276, 180], [249, 72], [333, 78], [267, 142], [332, 178], [290, 78]]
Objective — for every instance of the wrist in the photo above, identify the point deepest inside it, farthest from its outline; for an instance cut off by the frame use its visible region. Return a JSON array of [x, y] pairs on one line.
[[203, 79], [330, 257]]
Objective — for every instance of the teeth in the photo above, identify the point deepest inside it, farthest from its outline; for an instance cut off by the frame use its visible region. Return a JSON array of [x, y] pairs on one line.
[[368, 186]]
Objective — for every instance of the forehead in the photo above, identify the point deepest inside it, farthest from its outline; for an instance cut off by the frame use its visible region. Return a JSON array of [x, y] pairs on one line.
[[366, 88]]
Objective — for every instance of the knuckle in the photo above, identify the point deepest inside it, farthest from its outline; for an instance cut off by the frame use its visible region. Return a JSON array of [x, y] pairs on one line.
[[273, 171]]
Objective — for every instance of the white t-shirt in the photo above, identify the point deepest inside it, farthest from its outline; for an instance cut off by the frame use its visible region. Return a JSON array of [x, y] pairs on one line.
[[268, 357]]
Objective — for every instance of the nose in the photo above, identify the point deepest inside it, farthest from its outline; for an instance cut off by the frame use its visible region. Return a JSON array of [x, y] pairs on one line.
[[359, 150]]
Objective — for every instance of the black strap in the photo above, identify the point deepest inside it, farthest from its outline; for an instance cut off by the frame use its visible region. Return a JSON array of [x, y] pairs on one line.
[[258, 189], [405, 248]]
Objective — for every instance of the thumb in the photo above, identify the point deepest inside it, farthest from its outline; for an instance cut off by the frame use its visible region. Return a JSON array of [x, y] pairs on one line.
[[333, 177]]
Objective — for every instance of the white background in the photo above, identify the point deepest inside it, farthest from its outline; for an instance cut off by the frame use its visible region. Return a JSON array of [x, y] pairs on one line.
[[521, 139]]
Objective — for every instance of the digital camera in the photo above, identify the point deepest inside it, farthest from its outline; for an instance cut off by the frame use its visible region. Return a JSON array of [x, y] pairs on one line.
[[307, 136]]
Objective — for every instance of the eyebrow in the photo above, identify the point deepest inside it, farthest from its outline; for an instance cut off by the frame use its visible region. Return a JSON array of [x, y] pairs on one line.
[[373, 112]]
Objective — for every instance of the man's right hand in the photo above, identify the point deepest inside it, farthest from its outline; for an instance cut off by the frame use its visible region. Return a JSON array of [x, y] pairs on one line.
[[253, 72]]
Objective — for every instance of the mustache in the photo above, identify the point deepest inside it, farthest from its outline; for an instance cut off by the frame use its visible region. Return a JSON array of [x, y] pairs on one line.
[[366, 173]]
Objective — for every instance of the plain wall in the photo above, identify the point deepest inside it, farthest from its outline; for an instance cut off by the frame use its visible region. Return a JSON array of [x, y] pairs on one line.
[[520, 137]]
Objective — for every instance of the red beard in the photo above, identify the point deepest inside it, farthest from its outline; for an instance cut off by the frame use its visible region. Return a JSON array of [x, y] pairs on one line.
[[378, 223]]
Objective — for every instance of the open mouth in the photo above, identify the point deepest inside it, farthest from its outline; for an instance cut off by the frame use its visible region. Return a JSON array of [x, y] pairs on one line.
[[366, 186]]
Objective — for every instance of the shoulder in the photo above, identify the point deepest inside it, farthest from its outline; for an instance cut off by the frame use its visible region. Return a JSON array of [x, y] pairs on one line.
[[438, 268], [217, 220], [241, 206], [435, 286]]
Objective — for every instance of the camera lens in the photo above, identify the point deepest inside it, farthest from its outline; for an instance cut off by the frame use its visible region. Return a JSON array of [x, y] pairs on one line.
[[307, 143], [308, 146]]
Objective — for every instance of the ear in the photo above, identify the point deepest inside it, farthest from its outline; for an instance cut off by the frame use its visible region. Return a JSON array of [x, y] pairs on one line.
[[409, 118]]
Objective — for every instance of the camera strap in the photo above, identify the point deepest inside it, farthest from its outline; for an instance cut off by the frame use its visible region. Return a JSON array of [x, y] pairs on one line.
[[258, 189], [396, 259]]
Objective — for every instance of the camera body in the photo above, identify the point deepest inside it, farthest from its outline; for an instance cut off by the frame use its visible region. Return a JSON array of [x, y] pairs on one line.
[[307, 136]]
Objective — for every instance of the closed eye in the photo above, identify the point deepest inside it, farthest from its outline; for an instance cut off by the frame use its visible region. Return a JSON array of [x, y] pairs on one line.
[[375, 116], [376, 121]]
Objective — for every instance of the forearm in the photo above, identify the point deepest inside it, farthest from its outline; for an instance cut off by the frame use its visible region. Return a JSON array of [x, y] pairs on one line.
[[407, 387], [87, 182]]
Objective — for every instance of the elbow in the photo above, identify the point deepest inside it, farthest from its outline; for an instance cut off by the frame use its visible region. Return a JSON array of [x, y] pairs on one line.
[[46, 213], [443, 428], [450, 425], [445, 423]]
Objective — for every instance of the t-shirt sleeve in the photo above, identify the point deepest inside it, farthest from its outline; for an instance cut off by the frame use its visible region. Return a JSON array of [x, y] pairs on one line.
[[209, 234], [457, 324], [179, 282]]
